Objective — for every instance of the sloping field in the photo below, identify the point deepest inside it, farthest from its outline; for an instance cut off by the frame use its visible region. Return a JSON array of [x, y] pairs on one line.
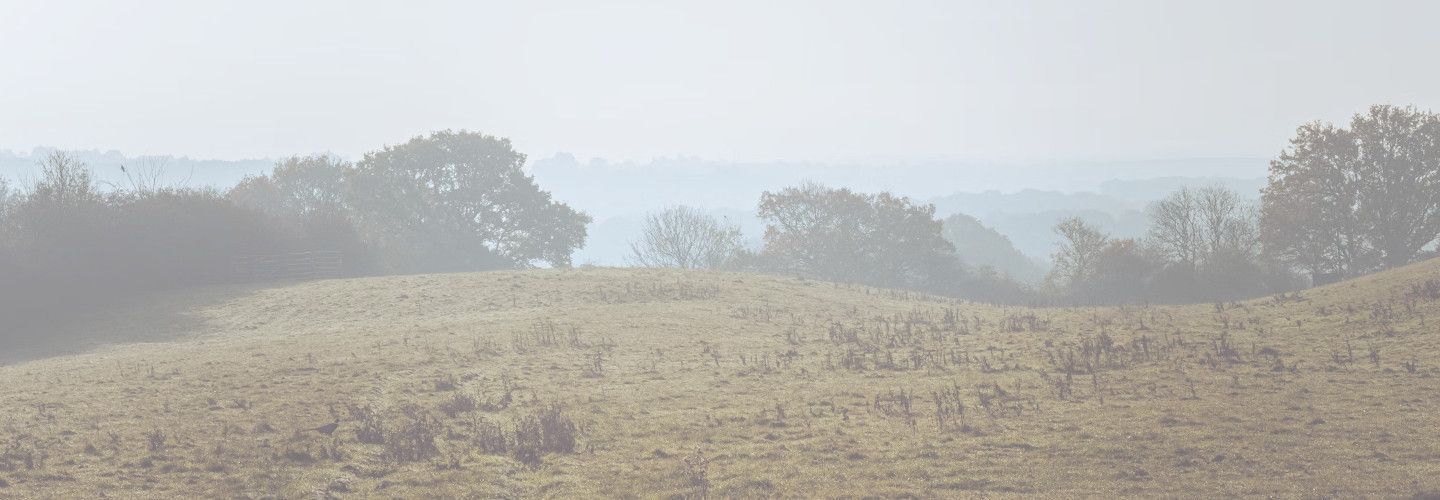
[[641, 383]]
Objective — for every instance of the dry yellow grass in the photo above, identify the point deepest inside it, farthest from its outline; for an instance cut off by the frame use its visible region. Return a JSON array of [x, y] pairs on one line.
[[764, 386]]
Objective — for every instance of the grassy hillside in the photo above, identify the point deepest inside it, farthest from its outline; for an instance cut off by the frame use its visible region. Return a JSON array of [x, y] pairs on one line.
[[665, 384]]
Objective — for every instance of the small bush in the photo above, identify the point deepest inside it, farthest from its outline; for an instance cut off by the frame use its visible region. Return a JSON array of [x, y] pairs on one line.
[[155, 441], [414, 439], [457, 404], [372, 427], [548, 430]]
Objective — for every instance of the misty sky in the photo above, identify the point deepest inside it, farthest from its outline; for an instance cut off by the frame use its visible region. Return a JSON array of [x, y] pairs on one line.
[[1002, 81]]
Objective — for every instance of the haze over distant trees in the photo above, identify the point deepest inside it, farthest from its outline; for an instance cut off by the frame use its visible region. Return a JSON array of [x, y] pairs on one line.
[[1020, 201], [875, 239], [450, 201], [836, 234], [1339, 202], [65, 244], [1112, 195], [979, 247], [306, 195], [6, 197], [637, 187], [1203, 244], [23, 168]]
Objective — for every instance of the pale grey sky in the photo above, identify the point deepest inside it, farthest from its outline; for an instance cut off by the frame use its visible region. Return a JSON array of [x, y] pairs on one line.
[[744, 80]]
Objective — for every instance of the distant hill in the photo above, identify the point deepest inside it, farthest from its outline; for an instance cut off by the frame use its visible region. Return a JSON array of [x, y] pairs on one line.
[[1141, 191], [1027, 201], [980, 246], [607, 189]]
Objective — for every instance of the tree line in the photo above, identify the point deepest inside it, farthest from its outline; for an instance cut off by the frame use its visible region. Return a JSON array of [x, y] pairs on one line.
[[1339, 202], [1203, 245], [448, 201], [832, 234]]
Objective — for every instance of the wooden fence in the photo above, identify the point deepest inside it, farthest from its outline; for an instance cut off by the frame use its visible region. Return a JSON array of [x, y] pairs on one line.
[[288, 266]]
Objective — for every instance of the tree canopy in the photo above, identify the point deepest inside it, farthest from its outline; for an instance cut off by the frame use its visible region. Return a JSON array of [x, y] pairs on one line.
[[840, 235], [1348, 201], [460, 200]]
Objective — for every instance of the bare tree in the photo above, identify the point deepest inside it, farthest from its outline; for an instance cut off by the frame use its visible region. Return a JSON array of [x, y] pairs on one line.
[[686, 238], [1229, 223], [150, 174], [65, 181], [1219, 207], [1076, 261], [1176, 228], [7, 198]]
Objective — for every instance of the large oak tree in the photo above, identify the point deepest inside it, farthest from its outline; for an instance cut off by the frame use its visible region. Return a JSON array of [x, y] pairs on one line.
[[461, 201], [841, 235], [1347, 201]]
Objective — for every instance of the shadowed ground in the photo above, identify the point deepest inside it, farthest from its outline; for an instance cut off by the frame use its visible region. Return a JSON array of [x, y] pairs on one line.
[[151, 318]]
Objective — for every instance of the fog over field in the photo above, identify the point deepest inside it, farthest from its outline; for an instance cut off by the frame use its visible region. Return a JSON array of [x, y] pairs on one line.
[[798, 249]]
